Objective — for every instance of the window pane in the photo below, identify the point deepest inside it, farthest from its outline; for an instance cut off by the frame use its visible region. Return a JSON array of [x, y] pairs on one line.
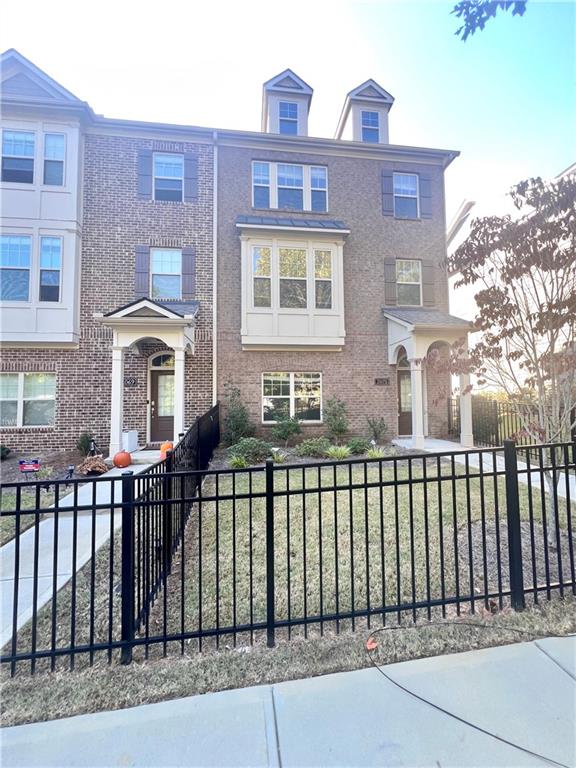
[[49, 285], [39, 386], [408, 294], [261, 173], [171, 166], [323, 264], [54, 172], [166, 287], [289, 127], [293, 262], [18, 143], [167, 262], [318, 177], [14, 284], [38, 413], [261, 197], [163, 361], [276, 408], [8, 413], [293, 294], [14, 251], [407, 271], [405, 184], [168, 189], [277, 383], [50, 252], [406, 207], [53, 146], [318, 200], [323, 294], [289, 109], [9, 385], [17, 170], [262, 292], [307, 384], [307, 409], [165, 404], [370, 135], [290, 199], [261, 262], [290, 175], [370, 119]]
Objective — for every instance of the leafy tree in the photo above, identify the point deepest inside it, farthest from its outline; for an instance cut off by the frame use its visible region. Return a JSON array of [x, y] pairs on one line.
[[475, 13], [237, 422], [336, 419]]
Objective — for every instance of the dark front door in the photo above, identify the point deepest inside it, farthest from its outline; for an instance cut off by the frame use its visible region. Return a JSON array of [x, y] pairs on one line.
[[404, 402], [161, 406]]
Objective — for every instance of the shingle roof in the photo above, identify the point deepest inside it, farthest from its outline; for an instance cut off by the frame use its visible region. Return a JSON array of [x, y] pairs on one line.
[[426, 317], [283, 222]]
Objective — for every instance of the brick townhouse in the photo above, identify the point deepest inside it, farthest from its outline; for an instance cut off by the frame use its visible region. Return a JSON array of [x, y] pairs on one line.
[[327, 252]]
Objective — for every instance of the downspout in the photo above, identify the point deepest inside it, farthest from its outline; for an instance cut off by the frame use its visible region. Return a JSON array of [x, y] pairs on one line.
[[215, 270]]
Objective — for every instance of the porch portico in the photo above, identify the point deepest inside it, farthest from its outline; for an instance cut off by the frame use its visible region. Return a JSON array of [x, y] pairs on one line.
[[133, 326], [412, 332]]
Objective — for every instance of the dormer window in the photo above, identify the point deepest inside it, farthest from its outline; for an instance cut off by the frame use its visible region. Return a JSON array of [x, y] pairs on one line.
[[370, 127], [288, 118]]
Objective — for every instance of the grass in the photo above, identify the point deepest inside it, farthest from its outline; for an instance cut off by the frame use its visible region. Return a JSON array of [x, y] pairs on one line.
[[27, 501]]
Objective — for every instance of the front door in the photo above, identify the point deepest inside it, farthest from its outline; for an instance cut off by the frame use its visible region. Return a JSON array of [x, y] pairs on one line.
[[161, 406], [404, 402]]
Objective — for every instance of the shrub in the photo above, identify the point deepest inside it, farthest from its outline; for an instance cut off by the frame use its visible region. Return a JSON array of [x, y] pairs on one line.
[[237, 422], [286, 428], [375, 453], [338, 452], [4, 451], [336, 418], [238, 462], [377, 428], [251, 449], [358, 445], [314, 446], [83, 444], [278, 456]]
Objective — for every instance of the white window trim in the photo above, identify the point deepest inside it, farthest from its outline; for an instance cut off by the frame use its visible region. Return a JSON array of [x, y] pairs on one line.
[[292, 397], [370, 127], [171, 178], [406, 282], [20, 401], [307, 189], [61, 270], [54, 133], [310, 246], [289, 119], [408, 197], [152, 273]]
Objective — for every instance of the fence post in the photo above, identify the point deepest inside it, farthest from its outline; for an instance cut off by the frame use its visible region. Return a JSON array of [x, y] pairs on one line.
[[127, 577], [167, 512], [514, 531], [270, 618]]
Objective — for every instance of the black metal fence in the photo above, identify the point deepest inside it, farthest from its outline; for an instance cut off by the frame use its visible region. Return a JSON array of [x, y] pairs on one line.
[[208, 556]]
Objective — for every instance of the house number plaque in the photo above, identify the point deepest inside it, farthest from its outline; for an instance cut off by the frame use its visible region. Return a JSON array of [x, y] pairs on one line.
[[382, 382], [130, 381]]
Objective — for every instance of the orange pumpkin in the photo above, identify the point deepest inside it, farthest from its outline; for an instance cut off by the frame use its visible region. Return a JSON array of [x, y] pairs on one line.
[[164, 448], [122, 459]]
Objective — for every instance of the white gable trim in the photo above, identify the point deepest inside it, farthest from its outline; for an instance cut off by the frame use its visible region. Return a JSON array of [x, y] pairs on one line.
[[12, 63], [274, 84], [145, 304]]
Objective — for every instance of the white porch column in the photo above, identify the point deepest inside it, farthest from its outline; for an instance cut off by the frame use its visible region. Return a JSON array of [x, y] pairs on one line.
[[179, 368], [417, 404], [117, 404], [466, 435]]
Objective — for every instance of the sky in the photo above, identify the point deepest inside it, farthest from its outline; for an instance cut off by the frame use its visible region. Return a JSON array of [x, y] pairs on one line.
[[506, 98]]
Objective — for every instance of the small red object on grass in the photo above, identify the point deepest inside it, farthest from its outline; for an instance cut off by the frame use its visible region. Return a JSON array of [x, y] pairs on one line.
[[371, 644]]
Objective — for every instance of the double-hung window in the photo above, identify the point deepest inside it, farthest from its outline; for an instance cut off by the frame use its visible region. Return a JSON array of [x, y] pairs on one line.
[[15, 251], [293, 271], [50, 268], [296, 395], [323, 279], [406, 196], [370, 127], [409, 282], [168, 177], [262, 274], [289, 187], [165, 273], [18, 156], [27, 399], [288, 118], [54, 150]]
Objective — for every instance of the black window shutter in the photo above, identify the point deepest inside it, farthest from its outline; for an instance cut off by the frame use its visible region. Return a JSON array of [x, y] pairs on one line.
[[387, 193], [425, 196], [145, 174], [142, 271], [188, 273], [190, 178], [390, 282], [428, 286]]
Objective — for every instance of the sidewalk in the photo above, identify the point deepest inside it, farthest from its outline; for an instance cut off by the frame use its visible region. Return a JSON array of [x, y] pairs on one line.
[[64, 564], [526, 693]]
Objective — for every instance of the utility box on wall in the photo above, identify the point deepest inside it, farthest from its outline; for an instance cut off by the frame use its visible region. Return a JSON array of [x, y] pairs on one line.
[[130, 440]]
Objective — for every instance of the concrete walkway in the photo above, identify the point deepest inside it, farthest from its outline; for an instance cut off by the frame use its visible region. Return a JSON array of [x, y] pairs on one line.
[[432, 445], [525, 693], [65, 564]]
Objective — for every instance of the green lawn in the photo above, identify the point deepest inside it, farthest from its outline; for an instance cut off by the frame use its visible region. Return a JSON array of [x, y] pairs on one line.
[[28, 500]]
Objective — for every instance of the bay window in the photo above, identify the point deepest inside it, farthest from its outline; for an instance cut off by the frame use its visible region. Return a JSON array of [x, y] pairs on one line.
[[293, 277], [54, 159], [297, 395], [27, 399], [262, 271], [18, 156], [15, 254], [290, 187], [50, 268]]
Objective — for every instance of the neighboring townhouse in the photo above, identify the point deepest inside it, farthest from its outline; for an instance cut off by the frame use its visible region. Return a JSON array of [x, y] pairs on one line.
[[331, 277], [106, 271]]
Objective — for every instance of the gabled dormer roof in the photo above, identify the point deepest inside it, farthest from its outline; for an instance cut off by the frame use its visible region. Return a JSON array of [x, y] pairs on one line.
[[369, 91], [22, 81], [288, 83]]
